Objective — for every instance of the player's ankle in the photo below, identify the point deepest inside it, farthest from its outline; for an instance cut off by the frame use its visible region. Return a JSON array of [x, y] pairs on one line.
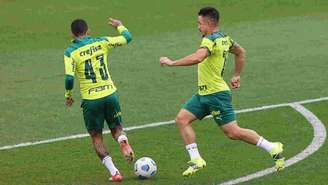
[[265, 144], [109, 164], [193, 151]]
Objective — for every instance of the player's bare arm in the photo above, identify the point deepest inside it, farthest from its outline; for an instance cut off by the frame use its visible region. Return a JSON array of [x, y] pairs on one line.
[[240, 55], [125, 36], [189, 60]]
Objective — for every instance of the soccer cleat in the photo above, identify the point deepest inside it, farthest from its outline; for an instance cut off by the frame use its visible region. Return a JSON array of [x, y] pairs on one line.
[[194, 165], [127, 151], [276, 154], [116, 178]]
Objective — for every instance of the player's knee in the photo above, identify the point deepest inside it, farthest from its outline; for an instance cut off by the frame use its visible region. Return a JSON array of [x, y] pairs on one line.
[[96, 137], [93, 134], [181, 121]]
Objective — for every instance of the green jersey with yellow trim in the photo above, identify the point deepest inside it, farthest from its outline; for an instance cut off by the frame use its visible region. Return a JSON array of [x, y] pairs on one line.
[[210, 70], [87, 58]]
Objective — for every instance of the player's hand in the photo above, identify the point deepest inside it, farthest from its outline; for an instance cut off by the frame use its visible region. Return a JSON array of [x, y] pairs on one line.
[[235, 82], [114, 22], [69, 101], [164, 61]]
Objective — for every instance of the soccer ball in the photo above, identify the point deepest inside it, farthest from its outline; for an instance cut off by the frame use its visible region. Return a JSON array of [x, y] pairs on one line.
[[145, 168]]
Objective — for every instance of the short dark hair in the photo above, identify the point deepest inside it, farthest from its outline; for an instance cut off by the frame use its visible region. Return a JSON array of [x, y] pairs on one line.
[[211, 13], [79, 27]]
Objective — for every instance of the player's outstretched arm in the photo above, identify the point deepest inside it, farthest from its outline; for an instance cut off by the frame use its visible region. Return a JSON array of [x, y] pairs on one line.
[[189, 60], [125, 37], [240, 55]]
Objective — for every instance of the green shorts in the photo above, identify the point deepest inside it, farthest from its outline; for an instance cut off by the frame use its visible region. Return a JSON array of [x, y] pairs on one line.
[[218, 104], [95, 112]]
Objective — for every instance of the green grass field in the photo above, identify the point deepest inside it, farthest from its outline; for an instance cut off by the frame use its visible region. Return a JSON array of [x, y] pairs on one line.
[[286, 62]]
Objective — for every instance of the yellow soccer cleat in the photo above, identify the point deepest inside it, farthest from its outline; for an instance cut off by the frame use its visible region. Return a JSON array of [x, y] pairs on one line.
[[276, 154], [194, 165]]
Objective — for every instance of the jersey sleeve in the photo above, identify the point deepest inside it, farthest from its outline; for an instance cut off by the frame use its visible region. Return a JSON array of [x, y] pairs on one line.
[[69, 65], [69, 74], [113, 42], [124, 38], [231, 42], [208, 44]]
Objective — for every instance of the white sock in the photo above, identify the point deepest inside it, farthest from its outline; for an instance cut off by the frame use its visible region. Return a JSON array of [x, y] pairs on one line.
[[192, 150], [122, 138], [107, 161], [265, 144]]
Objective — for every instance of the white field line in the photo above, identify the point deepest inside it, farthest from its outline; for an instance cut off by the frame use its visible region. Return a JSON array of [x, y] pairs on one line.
[[317, 141], [150, 125]]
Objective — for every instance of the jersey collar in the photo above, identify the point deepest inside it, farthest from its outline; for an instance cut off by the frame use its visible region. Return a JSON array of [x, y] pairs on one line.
[[215, 35], [77, 40]]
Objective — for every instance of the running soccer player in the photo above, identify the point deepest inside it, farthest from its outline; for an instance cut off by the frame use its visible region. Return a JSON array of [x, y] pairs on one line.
[[214, 95], [86, 59]]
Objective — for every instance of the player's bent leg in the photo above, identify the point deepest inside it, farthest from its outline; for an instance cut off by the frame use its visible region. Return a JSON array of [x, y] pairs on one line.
[[114, 121], [184, 121], [122, 139], [97, 141], [233, 131]]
